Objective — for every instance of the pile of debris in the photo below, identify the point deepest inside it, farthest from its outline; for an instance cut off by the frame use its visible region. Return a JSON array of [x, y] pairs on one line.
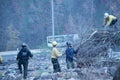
[[96, 47]]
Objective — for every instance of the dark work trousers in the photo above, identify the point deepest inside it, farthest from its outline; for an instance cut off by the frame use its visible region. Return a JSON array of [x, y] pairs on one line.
[[70, 64], [56, 65], [25, 67], [112, 25]]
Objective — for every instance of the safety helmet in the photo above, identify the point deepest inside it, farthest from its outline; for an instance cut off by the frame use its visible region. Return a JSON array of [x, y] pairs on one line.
[[24, 45], [106, 15], [68, 43], [54, 43]]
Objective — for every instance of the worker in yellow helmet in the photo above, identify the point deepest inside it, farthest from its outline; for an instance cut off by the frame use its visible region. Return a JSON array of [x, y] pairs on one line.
[[1, 59], [54, 57], [109, 21]]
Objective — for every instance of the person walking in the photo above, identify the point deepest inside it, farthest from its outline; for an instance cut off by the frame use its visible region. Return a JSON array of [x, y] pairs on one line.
[[22, 57], [70, 52], [54, 57]]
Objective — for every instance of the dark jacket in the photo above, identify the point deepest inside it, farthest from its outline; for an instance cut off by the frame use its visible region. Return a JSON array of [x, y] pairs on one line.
[[24, 54], [70, 53]]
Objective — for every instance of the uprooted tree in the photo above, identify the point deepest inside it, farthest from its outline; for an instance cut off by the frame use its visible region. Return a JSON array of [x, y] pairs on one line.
[[97, 46]]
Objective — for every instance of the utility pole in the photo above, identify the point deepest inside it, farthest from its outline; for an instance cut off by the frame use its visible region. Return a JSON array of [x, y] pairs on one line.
[[53, 29], [92, 6]]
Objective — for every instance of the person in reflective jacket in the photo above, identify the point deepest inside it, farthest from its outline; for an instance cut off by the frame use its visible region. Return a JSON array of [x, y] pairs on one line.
[[110, 21], [54, 58]]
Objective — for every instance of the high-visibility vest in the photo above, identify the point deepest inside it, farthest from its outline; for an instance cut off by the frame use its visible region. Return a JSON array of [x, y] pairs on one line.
[[109, 20]]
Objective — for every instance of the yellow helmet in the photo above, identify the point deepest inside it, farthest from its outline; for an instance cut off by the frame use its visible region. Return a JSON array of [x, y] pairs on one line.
[[54, 43]]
